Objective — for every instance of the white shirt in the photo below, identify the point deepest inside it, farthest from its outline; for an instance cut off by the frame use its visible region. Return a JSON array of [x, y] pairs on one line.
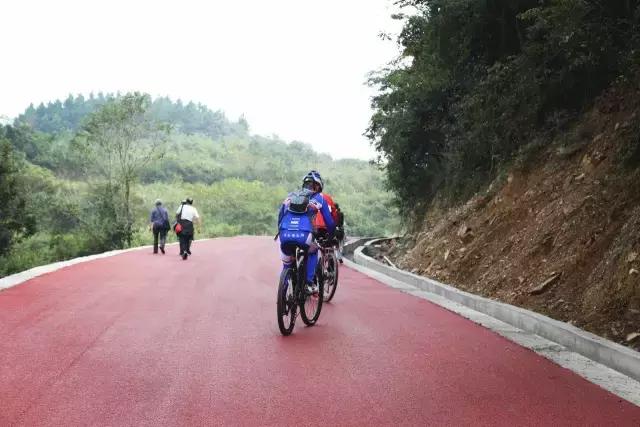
[[188, 212]]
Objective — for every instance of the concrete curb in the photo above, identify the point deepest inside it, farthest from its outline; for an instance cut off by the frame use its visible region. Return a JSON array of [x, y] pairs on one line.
[[608, 353], [23, 276]]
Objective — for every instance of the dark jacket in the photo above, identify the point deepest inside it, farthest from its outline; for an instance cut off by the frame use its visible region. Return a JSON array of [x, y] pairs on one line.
[[160, 218]]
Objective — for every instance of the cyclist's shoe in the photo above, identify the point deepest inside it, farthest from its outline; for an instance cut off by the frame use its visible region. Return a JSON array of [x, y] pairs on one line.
[[189, 251], [312, 288]]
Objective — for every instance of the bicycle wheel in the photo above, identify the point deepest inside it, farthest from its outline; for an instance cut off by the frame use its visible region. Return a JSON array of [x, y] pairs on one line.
[[331, 281], [312, 305], [287, 306]]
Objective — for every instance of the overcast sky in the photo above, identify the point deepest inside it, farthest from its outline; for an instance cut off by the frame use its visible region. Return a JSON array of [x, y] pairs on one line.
[[294, 68]]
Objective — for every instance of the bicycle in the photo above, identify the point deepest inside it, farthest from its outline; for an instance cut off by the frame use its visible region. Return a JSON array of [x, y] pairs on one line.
[[329, 266], [292, 295]]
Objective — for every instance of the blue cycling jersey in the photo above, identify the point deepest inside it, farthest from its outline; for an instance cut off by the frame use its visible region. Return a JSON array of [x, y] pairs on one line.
[[303, 222]]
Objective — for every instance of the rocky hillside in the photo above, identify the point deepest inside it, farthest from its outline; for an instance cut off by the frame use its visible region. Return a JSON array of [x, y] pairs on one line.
[[558, 233]]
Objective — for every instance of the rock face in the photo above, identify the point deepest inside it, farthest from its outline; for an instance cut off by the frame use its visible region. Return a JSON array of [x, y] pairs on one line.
[[573, 210], [465, 234], [544, 286], [632, 337]]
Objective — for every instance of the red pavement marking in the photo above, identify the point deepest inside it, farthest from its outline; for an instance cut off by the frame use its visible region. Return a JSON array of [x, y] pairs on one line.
[[138, 339]]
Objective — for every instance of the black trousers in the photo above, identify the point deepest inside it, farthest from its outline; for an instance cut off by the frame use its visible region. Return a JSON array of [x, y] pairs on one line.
[[159, 234], [185, 236]]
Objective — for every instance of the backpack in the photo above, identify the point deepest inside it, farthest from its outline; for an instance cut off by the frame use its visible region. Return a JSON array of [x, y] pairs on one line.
[[298, 215], [299, 202], [164, 218]]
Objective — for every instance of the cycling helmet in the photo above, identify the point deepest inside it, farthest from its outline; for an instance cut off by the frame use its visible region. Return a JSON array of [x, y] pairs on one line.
[[312, 177]]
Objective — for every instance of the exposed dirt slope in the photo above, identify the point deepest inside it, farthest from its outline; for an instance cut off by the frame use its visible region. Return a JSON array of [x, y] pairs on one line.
[[561, 237]]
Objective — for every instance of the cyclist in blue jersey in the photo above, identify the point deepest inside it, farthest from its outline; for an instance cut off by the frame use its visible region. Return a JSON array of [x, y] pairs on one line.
[[296, 224]]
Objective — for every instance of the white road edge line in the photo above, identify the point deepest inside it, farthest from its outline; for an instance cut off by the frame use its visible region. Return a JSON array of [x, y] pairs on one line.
[[613, 381]]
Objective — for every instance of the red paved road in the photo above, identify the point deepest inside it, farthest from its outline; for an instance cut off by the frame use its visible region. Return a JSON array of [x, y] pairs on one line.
[[149, 340]]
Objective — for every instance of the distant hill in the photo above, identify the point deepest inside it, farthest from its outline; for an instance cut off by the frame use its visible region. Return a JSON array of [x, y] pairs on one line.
[[63, 116]]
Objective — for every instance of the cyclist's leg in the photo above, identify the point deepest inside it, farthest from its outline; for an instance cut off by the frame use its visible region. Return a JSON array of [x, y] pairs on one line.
[[286, 255], [288, 242], [312, 260]]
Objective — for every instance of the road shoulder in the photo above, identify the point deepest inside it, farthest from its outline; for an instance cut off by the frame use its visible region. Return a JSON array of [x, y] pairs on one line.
[[613, 381]]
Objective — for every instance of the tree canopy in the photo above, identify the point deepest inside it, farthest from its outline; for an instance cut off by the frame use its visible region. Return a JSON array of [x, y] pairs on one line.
[[476, 80], [67, 116]]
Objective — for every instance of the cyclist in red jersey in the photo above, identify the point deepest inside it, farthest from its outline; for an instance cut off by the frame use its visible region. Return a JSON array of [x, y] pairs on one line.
[[319, 222]]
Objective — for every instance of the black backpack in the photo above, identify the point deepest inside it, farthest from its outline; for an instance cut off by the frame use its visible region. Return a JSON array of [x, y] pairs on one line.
[[299, 201]]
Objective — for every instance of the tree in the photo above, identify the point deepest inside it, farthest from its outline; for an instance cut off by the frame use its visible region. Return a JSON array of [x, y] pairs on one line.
[[15, 222], [476, 81], [118, 141]]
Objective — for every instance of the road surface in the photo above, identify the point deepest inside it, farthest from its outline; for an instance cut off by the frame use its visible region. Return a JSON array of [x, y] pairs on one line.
[[144, 340]]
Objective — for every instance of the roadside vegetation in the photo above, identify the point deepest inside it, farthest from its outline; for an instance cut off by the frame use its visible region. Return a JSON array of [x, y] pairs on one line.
[[510, 135], [480, 83], [79, 177]]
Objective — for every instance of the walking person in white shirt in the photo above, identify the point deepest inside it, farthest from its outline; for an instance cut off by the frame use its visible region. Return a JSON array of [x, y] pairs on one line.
[[186, 215]]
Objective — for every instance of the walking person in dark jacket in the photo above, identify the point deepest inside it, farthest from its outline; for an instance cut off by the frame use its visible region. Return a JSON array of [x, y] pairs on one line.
[[159, 224], [186, 215]]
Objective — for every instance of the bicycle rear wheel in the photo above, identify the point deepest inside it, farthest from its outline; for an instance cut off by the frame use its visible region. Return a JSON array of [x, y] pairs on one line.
[[286, 305], [331, 280]]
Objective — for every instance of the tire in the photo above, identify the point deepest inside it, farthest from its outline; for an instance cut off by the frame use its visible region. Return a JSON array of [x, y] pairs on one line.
[[331, 285], [312, 306], [286, 306]]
